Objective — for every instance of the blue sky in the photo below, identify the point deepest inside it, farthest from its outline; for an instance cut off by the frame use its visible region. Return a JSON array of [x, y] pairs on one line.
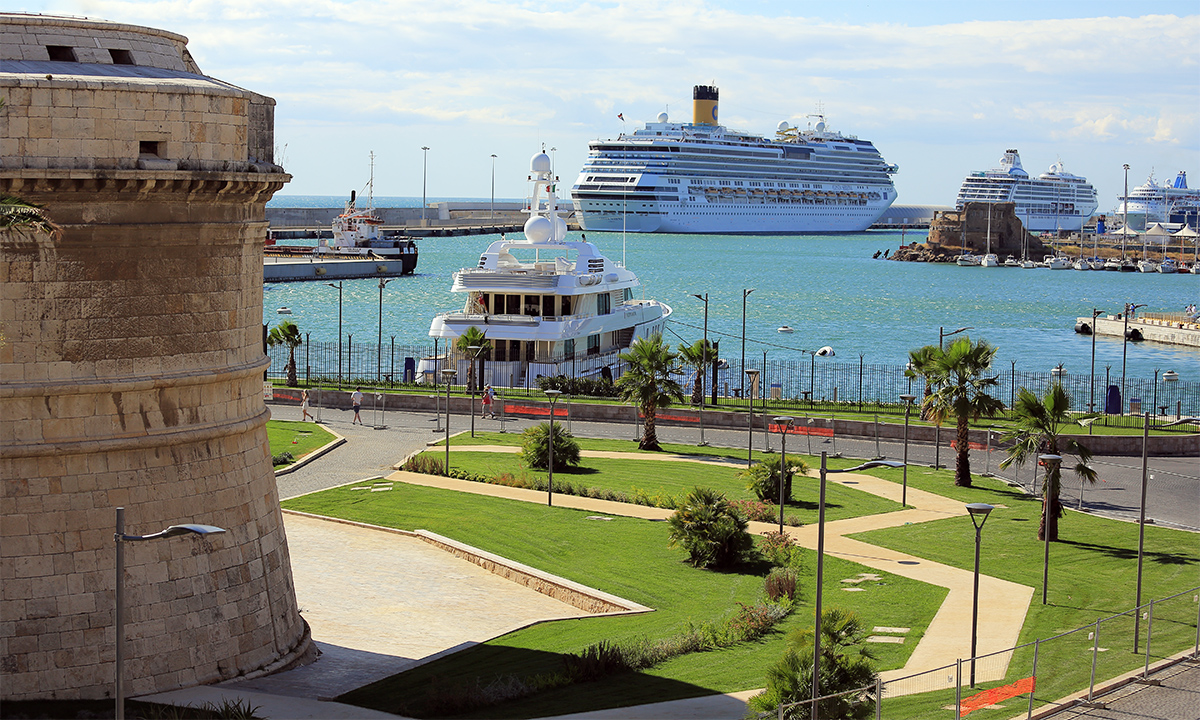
[[941, 88]]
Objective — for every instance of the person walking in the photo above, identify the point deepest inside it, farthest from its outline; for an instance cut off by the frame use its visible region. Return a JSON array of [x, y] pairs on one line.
[[356, 403], [488, 396], [304, 407]]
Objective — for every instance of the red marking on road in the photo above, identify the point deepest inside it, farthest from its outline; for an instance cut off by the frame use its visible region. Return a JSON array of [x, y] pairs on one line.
[[803, 430], [995, 695], [534, 410]]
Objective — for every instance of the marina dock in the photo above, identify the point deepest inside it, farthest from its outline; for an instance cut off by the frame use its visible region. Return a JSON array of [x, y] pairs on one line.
[[1172, 329], [310, 267]]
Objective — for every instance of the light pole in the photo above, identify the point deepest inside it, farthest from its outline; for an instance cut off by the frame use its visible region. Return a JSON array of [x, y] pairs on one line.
[[553, 395], [750, 440], [1125, 229], [816, 687], [379, 338], [704, 364], [475, 350], [1129, 307], [120, 538], [1137, 612], [492, 207], [746, 294], [1049, 461], [447, 375], [338, 287], [784, 424], [424, 178], [979, 515], [943, 334], [908, 403], [1092, 377]]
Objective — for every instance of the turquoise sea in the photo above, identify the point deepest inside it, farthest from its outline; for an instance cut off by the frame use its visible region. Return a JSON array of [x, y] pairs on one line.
[[828, 288]]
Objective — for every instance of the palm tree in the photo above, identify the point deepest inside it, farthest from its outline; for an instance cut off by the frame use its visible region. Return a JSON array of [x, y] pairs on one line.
[[649, 383], [697, 355], [473, 337], [17, 214], [287, 334], [917, 359], [960, 390], [1039, 423]]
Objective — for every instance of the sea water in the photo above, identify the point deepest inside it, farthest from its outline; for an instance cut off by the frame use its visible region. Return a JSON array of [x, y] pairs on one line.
[[826, 287]]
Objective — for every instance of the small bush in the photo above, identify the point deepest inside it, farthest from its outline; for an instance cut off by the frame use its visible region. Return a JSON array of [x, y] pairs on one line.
[[283, 458], [760, 511], [711, 530], [425, 463], [780, 549], [781, 582], [535, 447], [591, 387], [596, 661], [762, 478]]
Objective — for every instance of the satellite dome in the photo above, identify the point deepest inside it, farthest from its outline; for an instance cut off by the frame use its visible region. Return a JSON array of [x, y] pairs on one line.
[[538, 229], [821, 126], [783, 125], [662, 117], [540, 163]]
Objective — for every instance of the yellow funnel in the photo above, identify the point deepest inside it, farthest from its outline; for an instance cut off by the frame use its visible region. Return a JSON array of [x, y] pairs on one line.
[[704, 105]]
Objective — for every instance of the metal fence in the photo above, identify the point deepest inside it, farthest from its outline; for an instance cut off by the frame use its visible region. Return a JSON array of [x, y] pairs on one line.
[[1023, 678], [818, 384]]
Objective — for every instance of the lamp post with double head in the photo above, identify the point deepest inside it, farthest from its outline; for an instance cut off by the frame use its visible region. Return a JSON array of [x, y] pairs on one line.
[[1092, 377], [704, 364], [746, 294], [942, 334], [424, 178], [553, 395], [475, 350], [1051, 462], [492, 207], [338, 287], [908, 403], [816, 686], [979, 515], [120, 538], [784, 424], [750, 440], [448, 375], [1129, 308], [379, 337]]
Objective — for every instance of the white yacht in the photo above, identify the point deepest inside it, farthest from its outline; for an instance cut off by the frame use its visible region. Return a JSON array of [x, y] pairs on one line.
[[1055, 200], [701, 177], [548, 305]]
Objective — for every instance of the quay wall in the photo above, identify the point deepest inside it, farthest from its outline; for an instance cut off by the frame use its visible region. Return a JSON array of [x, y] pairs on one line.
[[1153, 330]]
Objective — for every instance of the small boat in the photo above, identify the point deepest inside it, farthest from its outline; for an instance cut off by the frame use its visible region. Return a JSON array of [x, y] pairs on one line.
[[1097, 264], [1168, 267], [1029, 264], [1082, 264], [284, 311], [786, 329], [990, 260], [1112, 265], [1128, 265], [1057, 263], [1011, 261], [1147, 266], [966, 260]]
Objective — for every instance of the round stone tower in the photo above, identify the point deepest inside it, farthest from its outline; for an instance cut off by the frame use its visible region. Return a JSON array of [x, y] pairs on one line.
[[131, 365]]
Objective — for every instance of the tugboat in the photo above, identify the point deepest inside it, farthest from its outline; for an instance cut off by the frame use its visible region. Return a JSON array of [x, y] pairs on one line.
[[356, 234], [547, 305]]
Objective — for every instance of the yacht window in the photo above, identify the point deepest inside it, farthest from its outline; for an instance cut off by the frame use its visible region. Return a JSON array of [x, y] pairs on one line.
[[627, 295], [593, 345], [529, 348], [532, 306], [603, 304], [569, 346], [512, 304], [548, 305], [566, 306]]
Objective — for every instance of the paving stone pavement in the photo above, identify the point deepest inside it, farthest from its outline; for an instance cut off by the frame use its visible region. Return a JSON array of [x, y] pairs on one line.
[[1178, 698]]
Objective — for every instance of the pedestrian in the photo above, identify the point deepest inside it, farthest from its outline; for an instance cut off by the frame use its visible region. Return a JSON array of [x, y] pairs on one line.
[[488, 396], [356, 403], [304, 407]]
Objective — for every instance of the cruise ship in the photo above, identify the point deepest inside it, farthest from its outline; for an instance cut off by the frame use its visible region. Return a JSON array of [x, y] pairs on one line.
[[1150, 203], [701, 177], [1055, 200]]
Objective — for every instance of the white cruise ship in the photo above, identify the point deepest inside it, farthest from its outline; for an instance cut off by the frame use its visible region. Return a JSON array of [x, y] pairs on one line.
[[701, 177], [548, 305], [1151, 203], [1055, 200]]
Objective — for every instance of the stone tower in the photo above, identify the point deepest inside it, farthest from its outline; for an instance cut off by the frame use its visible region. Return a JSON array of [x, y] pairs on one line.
[[131, 367]]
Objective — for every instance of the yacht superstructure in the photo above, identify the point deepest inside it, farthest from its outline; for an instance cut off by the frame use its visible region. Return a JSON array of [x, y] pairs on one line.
[[1055, 200], [702, 177]]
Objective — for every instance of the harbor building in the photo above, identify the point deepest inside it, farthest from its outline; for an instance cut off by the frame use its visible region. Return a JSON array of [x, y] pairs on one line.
[[131, 367]]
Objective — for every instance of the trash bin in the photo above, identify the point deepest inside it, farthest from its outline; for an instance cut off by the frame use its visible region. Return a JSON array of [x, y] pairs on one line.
[[410, 370], [776, 391], [1112, 400], [1135, 406]]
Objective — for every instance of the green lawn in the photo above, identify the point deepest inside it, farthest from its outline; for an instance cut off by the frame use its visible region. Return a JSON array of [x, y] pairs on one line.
[[626, 557], [298, 438]]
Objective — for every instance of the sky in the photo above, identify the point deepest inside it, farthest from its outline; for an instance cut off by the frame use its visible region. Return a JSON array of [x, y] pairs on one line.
[[941, 88]]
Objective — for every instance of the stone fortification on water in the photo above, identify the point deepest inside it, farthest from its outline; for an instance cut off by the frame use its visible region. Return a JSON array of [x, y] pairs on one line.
[[131, 366], [953, 232]]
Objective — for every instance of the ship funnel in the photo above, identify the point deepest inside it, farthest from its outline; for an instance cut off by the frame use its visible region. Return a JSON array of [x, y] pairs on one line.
[[704, 105], [351, 197]]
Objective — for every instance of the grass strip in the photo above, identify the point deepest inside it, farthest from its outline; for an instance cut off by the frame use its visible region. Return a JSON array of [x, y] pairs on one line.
[[297, 438]]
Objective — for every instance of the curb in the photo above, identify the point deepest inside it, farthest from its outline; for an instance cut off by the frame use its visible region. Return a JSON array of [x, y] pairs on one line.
[[338, 440]]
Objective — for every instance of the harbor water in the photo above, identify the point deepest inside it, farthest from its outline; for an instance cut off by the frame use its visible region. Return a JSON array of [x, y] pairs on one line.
[[827, 288]]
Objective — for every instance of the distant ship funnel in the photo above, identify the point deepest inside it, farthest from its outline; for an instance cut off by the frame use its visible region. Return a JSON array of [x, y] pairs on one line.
[[704, 105]]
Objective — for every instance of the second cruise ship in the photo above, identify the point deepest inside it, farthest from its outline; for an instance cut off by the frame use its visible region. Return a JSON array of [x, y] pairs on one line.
[[1055, 200], [702, 177]]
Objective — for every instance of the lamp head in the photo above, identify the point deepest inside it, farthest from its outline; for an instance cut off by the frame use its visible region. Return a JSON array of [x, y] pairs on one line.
[[752, 373], [908, 399], [703, 297], [552, 394], [472, 347], [192, 529], [785, 421], [448, 373], [980, 509]]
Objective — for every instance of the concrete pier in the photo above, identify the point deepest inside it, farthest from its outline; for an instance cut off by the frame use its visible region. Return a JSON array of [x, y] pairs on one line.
[[1172, 332]]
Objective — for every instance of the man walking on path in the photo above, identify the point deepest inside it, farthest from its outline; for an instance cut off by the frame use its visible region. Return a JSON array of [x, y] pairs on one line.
[[356, 403]]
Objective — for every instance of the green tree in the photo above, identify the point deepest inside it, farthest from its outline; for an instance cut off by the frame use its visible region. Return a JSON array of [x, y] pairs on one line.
[[649, 382], [288, 335], [535, 447], [762, 478], [19, 215], [846, 665], [918, 359], [700, 356], [473, 336], [960, 391], [711, 530], [1038, 427]]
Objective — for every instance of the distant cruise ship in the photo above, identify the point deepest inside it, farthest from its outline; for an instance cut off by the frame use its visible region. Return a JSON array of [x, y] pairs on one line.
[[701, 177], [1150, 203], [1056, 200]]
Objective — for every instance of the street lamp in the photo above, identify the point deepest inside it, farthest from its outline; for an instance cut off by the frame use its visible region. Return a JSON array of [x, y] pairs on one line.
[[1137, 611], [424, 177], [1125, 230], [1129, 308], [475, 350], [120, 538], [338, 287], [979, 515], [908, 403], [379, 338], [492, 207], [1049, 461], [704, 364], [784, 423], [750, 440], [1092, 377], [943, 334], [746, 294], [553, 395], [816, 687], [447, 375]]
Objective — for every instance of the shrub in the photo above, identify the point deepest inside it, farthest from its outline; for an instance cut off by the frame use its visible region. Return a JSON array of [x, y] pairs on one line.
[[425, 463], [591, 387], [762, 478], [596, 661], [711, 530], [535, 447], [760, 511], [780, 549], [781, 582], [282, 458]]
